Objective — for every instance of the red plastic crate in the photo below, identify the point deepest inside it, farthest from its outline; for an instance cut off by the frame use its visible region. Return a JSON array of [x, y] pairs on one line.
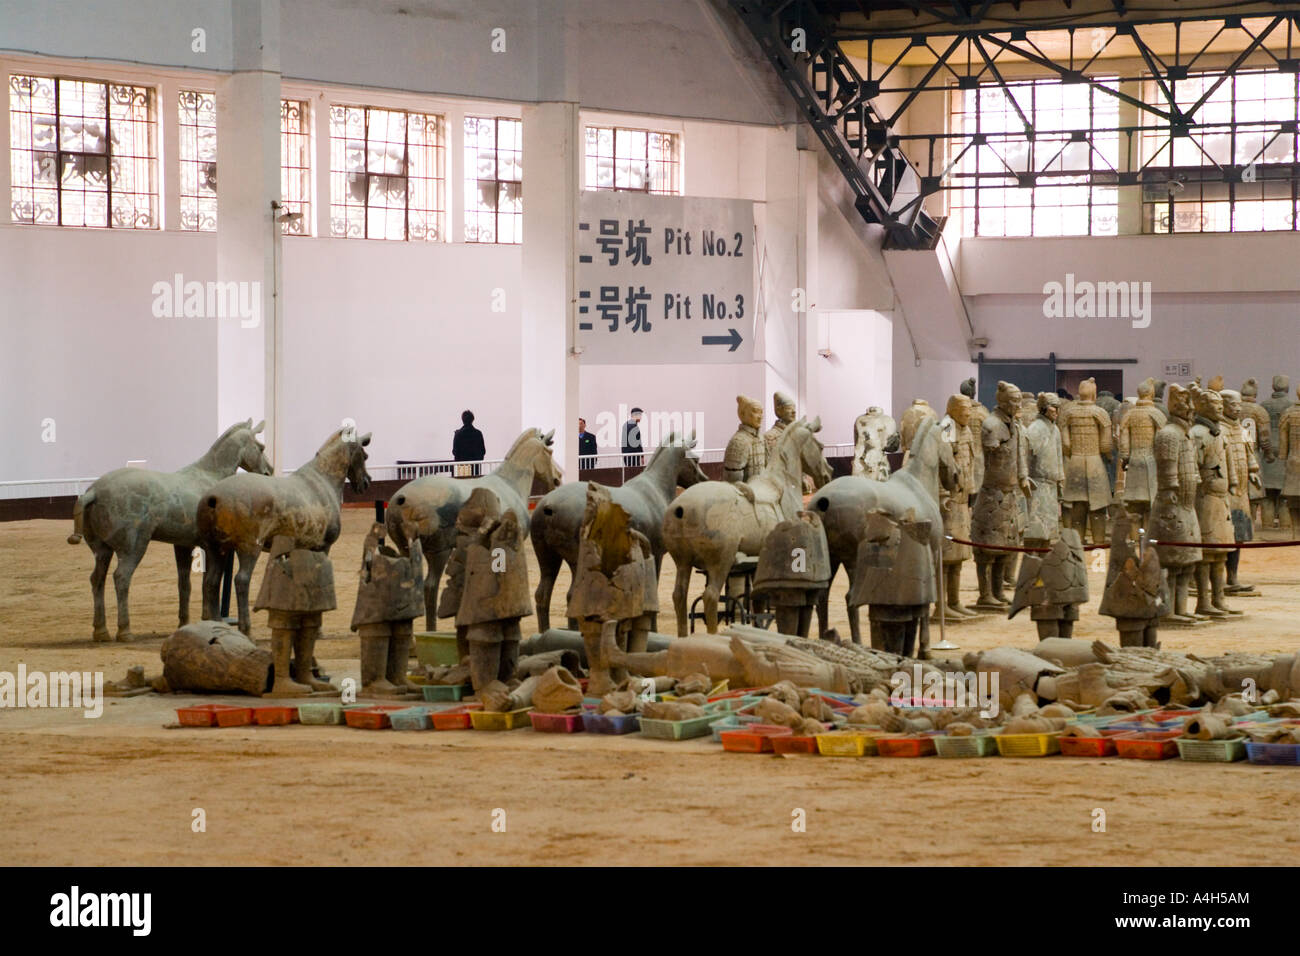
[[275, 715], [371, 718], [1163, 716], [1103, 745], [556, 723], [1149, 745], [753, 739], [739, 692], [790, 744], [214, 715], [905, 746], [455, 718]]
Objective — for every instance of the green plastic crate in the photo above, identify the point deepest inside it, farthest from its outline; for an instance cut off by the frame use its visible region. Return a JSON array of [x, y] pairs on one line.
[[437, 648], [678, 729], [1212, 751], [975, 745], [320, 713]]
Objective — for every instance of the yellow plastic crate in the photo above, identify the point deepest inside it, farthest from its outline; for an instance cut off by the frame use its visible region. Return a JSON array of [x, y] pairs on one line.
[[492, 720], [846, 745], [1029, 745]]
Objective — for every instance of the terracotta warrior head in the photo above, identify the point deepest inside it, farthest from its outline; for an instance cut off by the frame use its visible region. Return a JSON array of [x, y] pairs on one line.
[[1180, 402], [749, 411], [1281, 383], [1216, 383], [1208, 403], [1049, 405], [784, 405], [1146, 389], [1250, 390], [1159, 385], [1231, 404], [1008, 399], [968, 388], [1088, 390], [959, 409]]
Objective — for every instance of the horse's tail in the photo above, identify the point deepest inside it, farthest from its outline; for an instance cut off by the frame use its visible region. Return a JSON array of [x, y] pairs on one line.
[[79, 516]]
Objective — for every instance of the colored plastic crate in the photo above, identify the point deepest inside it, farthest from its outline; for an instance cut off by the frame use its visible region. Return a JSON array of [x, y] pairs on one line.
[[792, 744], [735, 721], [497, 720], [1148, 745], [974, 745], [594, 723], [1274, 755], [846, 745], [909, 746], [677, 729], [754, 739], [214, 715], [440, 693], [378, 717], [455, 718], [320, 713], [556, 723], [1028, 745], [437, 648], [275, 715], [1103, 745], [412, 718], [734, 704], [1178, 714], [738, 692], [1212, 751]]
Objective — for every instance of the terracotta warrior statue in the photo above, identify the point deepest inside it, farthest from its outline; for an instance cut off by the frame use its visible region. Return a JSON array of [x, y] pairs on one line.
[[487, 587], [1046, 473], [874, 434], [1086, 441], [1246, 466], [1173, 513], [1158, 397], [996, 517], [977, 415], [390, 596], [894, 577], [1289, 452], [1137, 435], [1134, 589], [955, 427], [297, 588], [918, 411], [1275, 470], [615, 587], [1259, 433], [794, 569], [746, 452], [784, 407], [1219, 483], [1052, 586]]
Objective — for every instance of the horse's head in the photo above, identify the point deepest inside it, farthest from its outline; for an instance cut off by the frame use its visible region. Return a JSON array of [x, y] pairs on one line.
[[252, 453], [689, 471], [343, 456], [543, 461], [812, 460], [358, 477], [934, 455]]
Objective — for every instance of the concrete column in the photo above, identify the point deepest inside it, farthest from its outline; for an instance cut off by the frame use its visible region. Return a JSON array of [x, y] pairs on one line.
[[806, 271], [1130, 197], [169, 155], [549, 395], [248, 241]]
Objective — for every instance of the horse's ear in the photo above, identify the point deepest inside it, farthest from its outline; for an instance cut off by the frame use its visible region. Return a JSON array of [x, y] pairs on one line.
[[692, 441], [260, 426], [548, 437], [364, 439], [816, 424]]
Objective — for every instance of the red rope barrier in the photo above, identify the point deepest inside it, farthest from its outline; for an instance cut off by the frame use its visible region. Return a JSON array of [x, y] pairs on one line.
[[1153, 542]]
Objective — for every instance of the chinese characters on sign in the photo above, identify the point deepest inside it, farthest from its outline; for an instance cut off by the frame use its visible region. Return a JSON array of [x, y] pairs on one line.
[[665, 280]]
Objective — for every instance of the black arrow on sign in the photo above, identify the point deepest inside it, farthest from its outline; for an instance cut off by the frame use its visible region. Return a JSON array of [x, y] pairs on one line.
[[732, 337]]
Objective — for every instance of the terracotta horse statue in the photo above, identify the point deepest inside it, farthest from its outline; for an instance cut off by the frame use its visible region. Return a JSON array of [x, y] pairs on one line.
[[433, 502], [711, 522], [126, 509], [557, 519], [843, 505], [243, 513]]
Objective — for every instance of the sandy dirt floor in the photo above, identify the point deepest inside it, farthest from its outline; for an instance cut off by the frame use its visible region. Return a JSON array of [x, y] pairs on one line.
[[123, 789]]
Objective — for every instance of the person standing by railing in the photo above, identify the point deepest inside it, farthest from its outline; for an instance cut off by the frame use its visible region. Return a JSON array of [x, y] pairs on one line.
[[586, 446], [467, 444], [632, 446]]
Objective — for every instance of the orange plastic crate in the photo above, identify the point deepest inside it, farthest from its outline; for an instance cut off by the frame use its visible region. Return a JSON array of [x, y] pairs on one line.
[[371, 718], [790, 744], [753, 739], [1149, 745], [1103, 745], [214, 715], [905, 746], [275, 715], [455, 718]]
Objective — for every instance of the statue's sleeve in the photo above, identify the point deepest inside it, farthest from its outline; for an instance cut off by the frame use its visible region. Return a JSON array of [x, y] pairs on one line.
[[1166, 452], [1103, 432]]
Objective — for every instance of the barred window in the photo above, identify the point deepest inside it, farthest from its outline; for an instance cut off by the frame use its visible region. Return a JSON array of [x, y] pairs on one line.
[[387, 177], [295, 167], [198, 160], [82, 153], [493, 179], [634, 160]]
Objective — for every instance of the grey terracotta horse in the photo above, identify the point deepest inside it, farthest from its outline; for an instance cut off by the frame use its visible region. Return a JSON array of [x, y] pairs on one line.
[[126, 509], [243, 513], [557, 519], [433, 502], [844, 503], [711, 522]]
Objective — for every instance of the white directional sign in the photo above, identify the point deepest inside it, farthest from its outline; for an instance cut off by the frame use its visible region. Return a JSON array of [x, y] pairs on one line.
[[665, 280]]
